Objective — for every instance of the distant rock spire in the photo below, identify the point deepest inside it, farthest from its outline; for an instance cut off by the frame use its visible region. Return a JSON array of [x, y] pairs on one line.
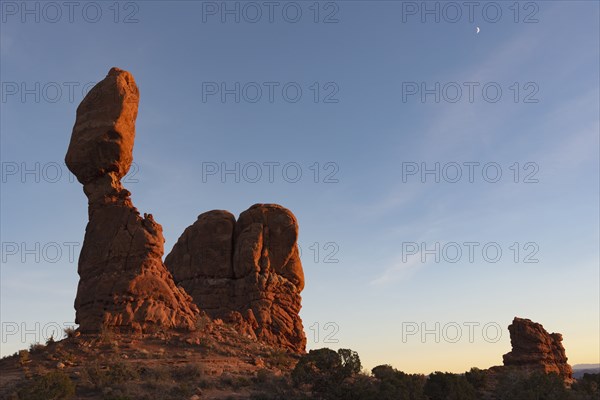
[[533, 348]]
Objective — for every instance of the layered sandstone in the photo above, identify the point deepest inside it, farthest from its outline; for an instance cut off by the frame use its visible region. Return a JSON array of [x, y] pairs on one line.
[[533, 348], [246, 271], [123, 282]]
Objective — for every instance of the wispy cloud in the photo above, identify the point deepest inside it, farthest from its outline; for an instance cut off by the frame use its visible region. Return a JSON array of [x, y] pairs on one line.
[[400, 270]]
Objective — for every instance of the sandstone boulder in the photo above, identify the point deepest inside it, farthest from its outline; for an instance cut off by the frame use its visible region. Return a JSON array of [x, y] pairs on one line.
[[207, 242], [104, 131], [533, 348], [249, 269]]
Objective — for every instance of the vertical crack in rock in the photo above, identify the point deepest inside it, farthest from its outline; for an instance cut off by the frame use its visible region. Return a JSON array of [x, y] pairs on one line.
[[123, 282]]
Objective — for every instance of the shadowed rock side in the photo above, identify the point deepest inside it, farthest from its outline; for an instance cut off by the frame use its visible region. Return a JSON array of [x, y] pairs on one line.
[[123, 282], [533, 348], [248, 272]]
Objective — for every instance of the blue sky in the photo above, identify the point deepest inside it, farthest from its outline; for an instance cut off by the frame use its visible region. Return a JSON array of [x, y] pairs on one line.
[[364, 130]]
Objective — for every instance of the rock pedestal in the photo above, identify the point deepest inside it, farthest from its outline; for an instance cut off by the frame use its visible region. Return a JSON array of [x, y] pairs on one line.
[[123, 283]]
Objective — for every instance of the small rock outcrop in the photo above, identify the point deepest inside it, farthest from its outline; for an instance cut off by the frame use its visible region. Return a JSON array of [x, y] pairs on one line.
[[123, 281], [246, 271], [533, 348]]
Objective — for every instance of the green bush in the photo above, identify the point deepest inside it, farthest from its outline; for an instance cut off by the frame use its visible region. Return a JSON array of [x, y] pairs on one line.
[[263, 376], [447, 386], [588, 386], [477, 378], [70, 331], [325, 370], [315, 365], [113, 374], [336, 376], [535, 386], [350, 362], [394, 384], [36, 348], [187, 372], [55, 385]]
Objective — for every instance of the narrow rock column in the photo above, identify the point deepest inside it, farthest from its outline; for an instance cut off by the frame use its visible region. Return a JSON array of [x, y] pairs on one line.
[[123, 283]]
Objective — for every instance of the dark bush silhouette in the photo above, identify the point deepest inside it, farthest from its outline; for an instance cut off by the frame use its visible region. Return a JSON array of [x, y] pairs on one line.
[[350, 362], [325, 370], [397, 385], [477, 378], [325, 374], [316, 365], [447, 386], [588, 387], [535, 386]]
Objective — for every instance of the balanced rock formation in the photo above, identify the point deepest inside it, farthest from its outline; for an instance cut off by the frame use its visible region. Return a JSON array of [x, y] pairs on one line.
[[534, 349], [123, 282], [247, 272]]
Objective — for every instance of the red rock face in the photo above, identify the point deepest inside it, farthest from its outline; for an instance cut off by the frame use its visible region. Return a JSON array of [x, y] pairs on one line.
[[201, 262], [534, 348], [123, 282], [248, 272]]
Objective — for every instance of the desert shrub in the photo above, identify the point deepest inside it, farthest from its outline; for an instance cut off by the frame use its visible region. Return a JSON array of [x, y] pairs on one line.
[[350, 362], [55, 385], [70, 331], [384, 372], [205, 383], [325, 370], [15, 354], [477, 378], [289, 394], [279, 359], [263, 376], [182, 391], [317, 367], [393, 384], [226, 379], [588, 387], [359, 387], [155, 374], [187, 372], [235, 382], [120, 372], [23, 357], [66, 355], [536, 386], [271, 386], [240, 382], [36, 348], [447, 386], [114, 374]]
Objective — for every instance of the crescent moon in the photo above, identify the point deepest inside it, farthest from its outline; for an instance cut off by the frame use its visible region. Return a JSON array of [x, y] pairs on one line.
[[478, 30]]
